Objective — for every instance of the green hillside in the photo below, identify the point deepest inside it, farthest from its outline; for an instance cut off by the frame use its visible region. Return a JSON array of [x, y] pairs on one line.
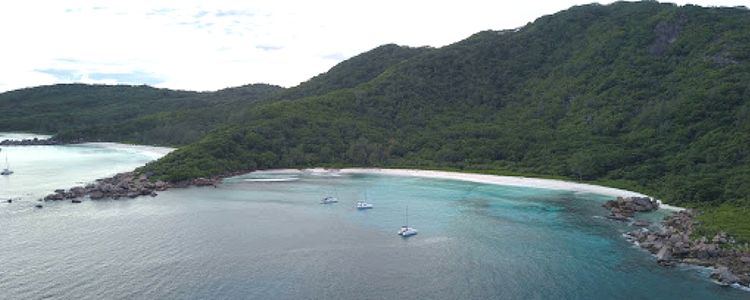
[[179, 122], [133, 114], [146, 115], [647, 96]]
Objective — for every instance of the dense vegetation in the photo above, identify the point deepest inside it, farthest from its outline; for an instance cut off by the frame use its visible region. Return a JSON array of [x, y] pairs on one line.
[[132, 114], [146, 115], [643, 95], [646, 96]]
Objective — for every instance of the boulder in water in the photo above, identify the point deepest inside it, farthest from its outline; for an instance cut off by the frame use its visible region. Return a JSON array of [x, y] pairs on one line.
[[664, 256], [725, 277]]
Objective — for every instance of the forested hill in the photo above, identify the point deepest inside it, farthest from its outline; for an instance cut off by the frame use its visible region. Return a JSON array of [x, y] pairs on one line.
[[146, 115], [648, 96], [354, 71], [135, 114]]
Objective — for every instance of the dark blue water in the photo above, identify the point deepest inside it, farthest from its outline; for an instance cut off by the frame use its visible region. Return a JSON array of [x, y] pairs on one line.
[[263, 240]]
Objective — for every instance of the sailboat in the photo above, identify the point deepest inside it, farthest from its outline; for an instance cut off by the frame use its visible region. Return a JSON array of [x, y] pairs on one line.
[[329, 199], [7, 170], [405, 230], [362, 204]]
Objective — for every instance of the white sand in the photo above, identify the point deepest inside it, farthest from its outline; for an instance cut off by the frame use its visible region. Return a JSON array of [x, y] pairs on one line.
[[151, 151], [17, 136], [507, 180]]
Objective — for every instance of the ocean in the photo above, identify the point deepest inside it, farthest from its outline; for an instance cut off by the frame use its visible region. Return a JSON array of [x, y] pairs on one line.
[[266, 236]]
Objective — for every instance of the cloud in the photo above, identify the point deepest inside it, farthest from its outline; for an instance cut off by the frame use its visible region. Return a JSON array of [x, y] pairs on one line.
[[161, 11], [202, 45], [268, 47], [234, 13], [200, 14], [135, 77], [62, 74], [335, 56], [127, 78]]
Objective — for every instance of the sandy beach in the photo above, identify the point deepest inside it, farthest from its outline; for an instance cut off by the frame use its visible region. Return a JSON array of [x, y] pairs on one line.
[[498, 180], [152, 151]]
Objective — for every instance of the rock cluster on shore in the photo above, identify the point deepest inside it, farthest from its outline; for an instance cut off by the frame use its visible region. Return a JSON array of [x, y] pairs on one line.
[[672, 242], [30, 142], [624, 208], [124, 185]]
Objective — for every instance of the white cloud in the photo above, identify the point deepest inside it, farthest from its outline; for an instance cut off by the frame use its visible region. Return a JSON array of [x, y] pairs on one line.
[[201, 45]]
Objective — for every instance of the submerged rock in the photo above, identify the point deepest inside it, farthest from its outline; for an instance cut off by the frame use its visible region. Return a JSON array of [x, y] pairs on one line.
[[664, 254], [96, 194], [724, 276]]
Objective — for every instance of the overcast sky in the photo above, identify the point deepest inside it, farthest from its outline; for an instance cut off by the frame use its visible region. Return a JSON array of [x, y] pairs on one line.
[[209, 45]]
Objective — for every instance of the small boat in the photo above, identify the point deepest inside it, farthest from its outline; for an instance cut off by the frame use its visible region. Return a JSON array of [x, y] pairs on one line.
[[7, 170], [329, 200], [38, 206], [76, 201], [405, 230], [363, 204]]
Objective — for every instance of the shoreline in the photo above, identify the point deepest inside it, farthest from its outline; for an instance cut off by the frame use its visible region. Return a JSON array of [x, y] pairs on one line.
[[152, 151], [670, 244], [520, 181]]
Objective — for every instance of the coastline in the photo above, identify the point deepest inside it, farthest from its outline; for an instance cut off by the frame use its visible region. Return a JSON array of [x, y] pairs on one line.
[[17, 136], [151, 151], [670, 244], [552, 184]]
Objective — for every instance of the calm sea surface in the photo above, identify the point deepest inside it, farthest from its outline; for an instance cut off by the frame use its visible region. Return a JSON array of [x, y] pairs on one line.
[[271, 239]]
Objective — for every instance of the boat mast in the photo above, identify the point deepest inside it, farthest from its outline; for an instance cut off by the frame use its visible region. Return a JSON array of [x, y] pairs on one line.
[[407, 216]]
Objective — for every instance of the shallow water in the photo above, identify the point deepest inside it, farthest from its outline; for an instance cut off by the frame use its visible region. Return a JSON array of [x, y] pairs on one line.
[[271, 238], [39, 170]]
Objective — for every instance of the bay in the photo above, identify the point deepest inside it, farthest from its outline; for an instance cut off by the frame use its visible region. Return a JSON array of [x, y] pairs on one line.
[[271, 239]]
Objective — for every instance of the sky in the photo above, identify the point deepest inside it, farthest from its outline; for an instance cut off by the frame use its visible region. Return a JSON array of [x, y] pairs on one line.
[[210, 45]]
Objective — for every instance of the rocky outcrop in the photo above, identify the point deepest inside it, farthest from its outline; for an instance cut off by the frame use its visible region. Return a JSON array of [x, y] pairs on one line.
[[673, 244], [125, 185], [623, 209], [724, 276], [30, 142]]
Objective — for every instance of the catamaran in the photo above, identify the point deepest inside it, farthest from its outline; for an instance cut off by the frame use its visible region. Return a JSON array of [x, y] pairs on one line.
[[362, 204], [329, 200], [405, 230]]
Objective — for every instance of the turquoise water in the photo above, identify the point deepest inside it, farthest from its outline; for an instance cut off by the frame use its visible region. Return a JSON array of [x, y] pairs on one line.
[[39, 170], [272, 240]]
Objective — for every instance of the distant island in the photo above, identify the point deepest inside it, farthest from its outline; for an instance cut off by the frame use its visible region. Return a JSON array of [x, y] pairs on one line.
[[643, 96]]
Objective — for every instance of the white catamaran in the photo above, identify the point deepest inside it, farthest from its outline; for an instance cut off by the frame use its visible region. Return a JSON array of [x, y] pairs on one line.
[[405, 230], [363, 204]]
